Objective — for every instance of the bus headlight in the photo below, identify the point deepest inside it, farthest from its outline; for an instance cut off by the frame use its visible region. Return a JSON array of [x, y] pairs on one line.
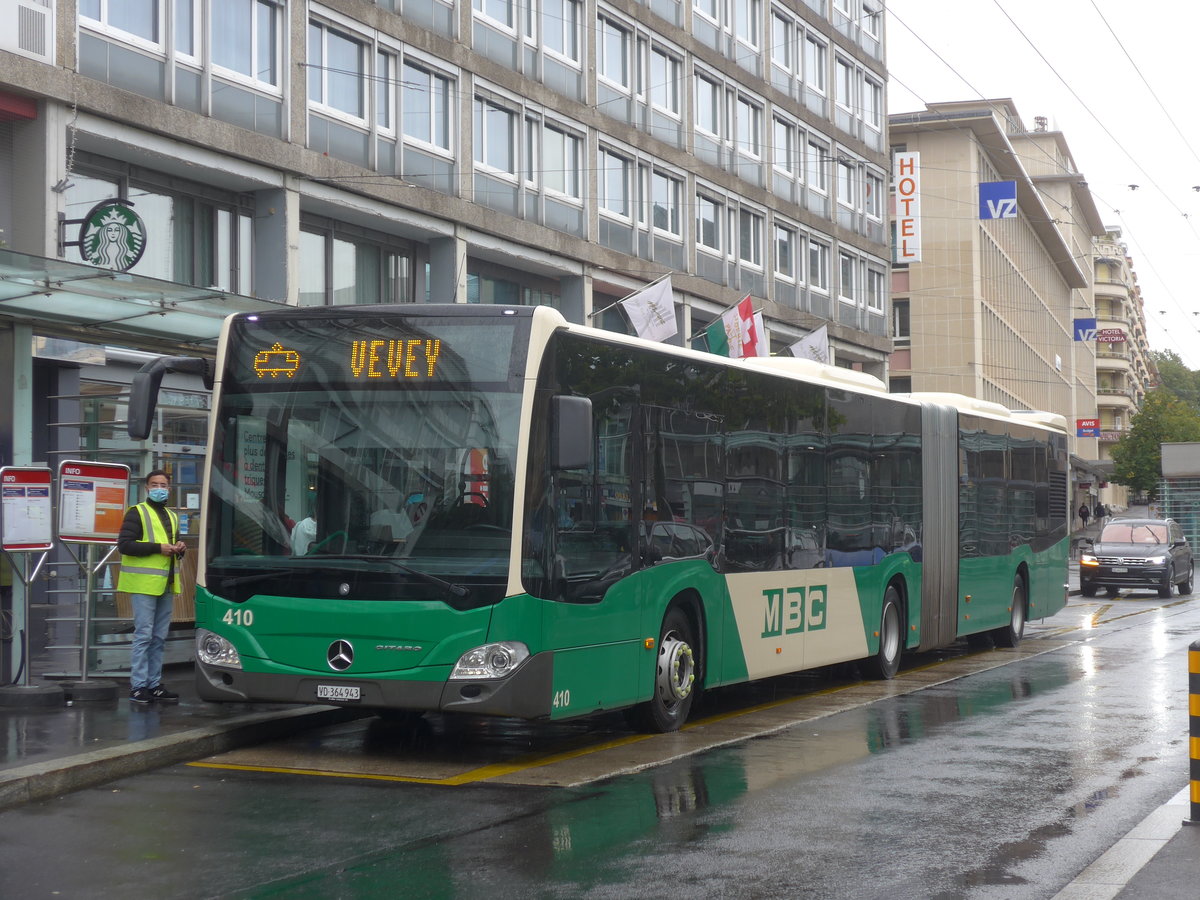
[[490, 661], [214, 650]]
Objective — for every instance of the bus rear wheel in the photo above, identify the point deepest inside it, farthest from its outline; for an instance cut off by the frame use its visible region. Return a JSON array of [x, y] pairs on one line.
[[676, 668], [1011, 634], [886, 661]]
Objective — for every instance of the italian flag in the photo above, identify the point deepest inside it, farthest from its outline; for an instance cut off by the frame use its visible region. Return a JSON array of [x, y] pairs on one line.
[[739, 332]]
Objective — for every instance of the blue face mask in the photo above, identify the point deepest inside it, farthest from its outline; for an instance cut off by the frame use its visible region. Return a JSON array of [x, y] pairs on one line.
[[159, 495]]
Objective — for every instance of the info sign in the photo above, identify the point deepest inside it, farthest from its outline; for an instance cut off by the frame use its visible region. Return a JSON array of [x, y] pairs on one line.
[[92, 499], [26, 518]]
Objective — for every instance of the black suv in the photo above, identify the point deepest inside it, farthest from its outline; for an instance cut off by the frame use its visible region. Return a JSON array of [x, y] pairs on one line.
[[1137, 553]]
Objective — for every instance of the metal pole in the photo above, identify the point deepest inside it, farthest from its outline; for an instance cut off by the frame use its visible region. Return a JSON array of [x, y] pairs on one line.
[[86, 620], [1194, 727]]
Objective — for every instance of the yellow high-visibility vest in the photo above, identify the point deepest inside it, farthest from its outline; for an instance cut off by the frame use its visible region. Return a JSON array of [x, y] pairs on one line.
[[148, 574]]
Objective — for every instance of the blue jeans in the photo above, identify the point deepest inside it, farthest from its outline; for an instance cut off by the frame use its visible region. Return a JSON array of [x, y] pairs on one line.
[[151, 621]]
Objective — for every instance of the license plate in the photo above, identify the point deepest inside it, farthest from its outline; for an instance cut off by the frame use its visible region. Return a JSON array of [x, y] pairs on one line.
[[338, 692], [1120, 569]]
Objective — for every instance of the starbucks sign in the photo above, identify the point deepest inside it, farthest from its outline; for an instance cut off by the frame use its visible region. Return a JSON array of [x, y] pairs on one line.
[[112, 235]]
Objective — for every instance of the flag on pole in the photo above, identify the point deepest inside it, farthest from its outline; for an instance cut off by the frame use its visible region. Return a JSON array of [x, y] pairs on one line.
[[736, 334], [814, 345], [651, 311], [762, 346]]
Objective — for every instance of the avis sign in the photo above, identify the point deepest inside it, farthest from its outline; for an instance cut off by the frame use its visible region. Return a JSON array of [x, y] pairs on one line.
[[907, 178], [998, 200]]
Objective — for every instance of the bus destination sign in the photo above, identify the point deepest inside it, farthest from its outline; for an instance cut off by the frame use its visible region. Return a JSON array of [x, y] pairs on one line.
[[405, 358]]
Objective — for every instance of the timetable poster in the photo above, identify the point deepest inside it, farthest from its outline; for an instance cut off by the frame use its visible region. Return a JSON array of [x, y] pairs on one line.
[[92, 498], [26, 518]]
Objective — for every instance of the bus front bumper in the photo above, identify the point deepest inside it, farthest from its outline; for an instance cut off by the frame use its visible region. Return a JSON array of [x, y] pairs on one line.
[[525, 694]]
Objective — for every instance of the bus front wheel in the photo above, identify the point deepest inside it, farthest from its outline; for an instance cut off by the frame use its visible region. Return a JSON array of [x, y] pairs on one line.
[[676, 668], [886, 661]]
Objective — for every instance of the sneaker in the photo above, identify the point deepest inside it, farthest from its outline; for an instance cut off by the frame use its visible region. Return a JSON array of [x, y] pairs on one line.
[[140, 695], [162, 695]]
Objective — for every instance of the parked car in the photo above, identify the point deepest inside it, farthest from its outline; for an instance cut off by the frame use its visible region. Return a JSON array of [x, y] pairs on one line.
[[1150, 554]]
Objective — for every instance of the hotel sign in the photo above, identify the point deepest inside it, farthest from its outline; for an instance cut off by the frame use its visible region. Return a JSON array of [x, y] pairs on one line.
[[907, 183], [1110, 336]]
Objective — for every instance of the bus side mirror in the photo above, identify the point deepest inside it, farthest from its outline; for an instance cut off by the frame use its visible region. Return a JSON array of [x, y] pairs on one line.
[[571, 434], [143, 391]]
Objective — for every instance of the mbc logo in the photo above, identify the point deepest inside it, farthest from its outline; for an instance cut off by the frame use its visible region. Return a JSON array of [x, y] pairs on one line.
[[794, 610]]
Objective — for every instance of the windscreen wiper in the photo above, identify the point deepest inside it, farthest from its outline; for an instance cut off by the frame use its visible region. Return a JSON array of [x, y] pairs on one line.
[[450, 587]]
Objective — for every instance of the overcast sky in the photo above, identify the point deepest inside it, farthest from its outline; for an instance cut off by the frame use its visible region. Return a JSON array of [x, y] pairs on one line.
[[1118, 79]]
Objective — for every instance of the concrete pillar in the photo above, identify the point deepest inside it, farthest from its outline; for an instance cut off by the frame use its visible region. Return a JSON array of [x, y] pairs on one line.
[[575, 293], [448, 270], [277, 245], [39, 163]]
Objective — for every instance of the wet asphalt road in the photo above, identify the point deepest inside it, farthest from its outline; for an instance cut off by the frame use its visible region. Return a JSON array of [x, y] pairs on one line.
[[1006, 783]]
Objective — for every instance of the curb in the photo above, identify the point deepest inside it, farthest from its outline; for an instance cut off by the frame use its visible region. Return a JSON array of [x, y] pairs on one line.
[[52, 778]]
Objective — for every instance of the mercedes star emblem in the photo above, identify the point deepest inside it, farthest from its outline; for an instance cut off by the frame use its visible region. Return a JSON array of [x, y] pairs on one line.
[[340, 655]]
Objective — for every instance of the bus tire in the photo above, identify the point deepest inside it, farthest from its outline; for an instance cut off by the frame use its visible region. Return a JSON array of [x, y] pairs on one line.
[[676, 667], [1010, 635], [886, 662]]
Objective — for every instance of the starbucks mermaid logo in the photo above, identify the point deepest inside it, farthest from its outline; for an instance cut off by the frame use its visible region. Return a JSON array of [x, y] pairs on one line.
[[112, 236]]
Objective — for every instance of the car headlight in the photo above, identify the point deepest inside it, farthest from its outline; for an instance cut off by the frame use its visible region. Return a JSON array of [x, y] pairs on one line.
[[490, 661], [1155, 560], [1088, 560], [214, 650]]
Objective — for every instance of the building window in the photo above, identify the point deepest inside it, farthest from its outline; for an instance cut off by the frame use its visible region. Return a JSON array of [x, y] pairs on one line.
[[750, 232], [246, 38], [845, 84], [556, 166], [818, 265], [499, 11], [560, 27], [783, 50], [495, 138], [336, 71], [665, 196], [708, 106], [875, 290], [818, 166], [749, 127], [342, 269], [136, 18], [900, 327], [708, 222], [846, 193], [816, 62], [426, 113], [613, 57], [785, 252], [664, 81], [846, 283], [874, 198], [747, 23], [613, 183], [785, 147]]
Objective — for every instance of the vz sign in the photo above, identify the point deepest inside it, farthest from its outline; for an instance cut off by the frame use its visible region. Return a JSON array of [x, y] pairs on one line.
[[998, 200], [1085, 329], [794, 610]]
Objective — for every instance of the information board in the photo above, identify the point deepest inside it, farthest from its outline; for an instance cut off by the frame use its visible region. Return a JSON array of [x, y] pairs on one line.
[[92, 499], [26, 517]]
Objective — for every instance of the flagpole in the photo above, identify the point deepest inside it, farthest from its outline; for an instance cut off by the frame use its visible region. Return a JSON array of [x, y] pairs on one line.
[[646, 286]]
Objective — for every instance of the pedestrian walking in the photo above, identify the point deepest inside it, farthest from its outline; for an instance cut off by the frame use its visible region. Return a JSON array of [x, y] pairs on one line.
[[150, 553], [1084, 514]]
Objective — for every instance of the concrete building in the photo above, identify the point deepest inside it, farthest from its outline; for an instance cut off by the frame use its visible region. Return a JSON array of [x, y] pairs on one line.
[[1125, 370], [562, 152], [987, 305]]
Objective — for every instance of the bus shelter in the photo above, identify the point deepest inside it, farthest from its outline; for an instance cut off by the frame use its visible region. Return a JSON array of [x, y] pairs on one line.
[[59, 319]]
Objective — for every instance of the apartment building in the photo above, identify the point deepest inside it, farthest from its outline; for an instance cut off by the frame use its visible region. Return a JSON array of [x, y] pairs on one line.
[[1124, 369], [988, 304]]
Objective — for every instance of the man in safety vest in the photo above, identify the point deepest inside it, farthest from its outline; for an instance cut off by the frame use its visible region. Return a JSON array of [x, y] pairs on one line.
[[150, 548]]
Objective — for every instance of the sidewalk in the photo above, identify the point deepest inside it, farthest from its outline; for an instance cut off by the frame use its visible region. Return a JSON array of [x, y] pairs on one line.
[[48, 751]]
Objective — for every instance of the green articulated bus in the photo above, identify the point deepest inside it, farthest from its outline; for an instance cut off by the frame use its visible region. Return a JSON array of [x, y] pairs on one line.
[[487, 509]]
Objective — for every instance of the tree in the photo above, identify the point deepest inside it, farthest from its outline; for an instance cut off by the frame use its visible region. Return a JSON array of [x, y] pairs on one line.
[[1178, 378], [1137, 457]]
